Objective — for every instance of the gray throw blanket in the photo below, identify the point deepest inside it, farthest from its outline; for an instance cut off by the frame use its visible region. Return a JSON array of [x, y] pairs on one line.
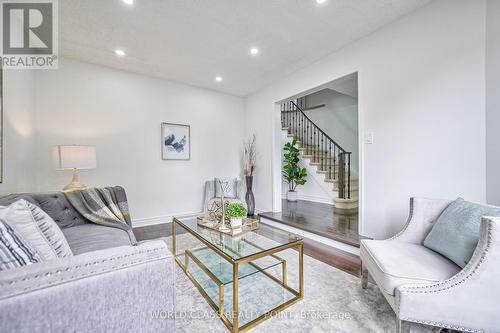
[[104, 206]]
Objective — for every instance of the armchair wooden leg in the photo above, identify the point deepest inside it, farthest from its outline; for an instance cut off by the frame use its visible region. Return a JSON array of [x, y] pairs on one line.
[[364, 277], [403, 326]]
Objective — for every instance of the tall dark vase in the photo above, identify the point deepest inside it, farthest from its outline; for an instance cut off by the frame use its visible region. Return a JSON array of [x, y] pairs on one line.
[[249, 198]]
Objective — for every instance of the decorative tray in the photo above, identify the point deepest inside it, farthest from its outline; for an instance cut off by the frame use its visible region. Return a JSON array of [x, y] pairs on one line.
[[249, 224]]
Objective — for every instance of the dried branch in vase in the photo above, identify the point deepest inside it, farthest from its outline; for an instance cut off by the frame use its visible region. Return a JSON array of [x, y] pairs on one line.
[[250, 157]]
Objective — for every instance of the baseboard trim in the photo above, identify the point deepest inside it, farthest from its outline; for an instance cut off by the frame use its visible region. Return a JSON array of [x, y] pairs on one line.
[[328, 201], [258, 211], [143, 222], [325, 200], [320, 239]]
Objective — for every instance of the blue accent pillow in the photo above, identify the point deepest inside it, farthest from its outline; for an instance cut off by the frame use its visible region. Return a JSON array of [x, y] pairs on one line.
[[456, 232]]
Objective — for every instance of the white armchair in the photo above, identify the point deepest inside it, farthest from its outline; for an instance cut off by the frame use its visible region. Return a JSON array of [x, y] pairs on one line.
[[424, 287]]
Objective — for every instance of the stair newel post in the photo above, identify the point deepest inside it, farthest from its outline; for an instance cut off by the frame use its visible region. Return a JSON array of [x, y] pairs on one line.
[[341, 180]]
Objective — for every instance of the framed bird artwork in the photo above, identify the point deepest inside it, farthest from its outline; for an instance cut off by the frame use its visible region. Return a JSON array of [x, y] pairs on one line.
[[176, 141]]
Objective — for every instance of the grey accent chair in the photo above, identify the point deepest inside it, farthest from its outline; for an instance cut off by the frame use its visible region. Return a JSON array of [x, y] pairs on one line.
[[107, 286], [426, 288], [209, 196]]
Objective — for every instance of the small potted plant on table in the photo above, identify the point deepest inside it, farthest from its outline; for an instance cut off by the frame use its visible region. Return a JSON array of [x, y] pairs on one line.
[[236, 211]]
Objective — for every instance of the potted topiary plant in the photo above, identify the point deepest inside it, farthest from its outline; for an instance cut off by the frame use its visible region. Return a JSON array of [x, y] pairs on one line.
[[236, 211], [293, 174]]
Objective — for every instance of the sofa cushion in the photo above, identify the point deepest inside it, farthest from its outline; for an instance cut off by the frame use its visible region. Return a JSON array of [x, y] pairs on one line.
[[15, 251], [93, 237], [393, 264], [456, 232]]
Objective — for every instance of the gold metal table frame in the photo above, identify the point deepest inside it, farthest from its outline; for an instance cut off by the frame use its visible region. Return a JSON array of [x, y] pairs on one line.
[[219, 308]]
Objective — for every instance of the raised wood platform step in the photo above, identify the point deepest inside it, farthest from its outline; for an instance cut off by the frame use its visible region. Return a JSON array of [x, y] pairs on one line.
[[321, 219]]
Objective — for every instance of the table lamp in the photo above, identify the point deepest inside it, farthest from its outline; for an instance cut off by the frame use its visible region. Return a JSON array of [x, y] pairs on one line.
[[73, 157]]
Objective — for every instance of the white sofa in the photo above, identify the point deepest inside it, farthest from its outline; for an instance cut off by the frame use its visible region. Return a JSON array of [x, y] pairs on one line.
[[424, 287]]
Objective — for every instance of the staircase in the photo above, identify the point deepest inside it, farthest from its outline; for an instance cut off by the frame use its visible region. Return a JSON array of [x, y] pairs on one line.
[[322, 153]]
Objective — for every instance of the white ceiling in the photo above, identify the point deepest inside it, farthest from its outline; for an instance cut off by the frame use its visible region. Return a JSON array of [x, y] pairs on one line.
[[192, 41]]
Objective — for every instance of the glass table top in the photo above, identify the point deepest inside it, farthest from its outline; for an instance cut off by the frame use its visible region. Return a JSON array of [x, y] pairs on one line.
[[244, 245]]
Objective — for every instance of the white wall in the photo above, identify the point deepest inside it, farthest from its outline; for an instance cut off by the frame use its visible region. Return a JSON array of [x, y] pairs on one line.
[[421, 91], [120, 113], [18, 132], [493, 102], [338, 119]]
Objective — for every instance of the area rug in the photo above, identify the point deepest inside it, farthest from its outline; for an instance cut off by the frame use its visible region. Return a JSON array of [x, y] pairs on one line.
[[333, 302]]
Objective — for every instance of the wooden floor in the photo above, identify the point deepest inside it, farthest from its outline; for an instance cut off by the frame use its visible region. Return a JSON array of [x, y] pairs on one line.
[[318, 218], [333, 257]]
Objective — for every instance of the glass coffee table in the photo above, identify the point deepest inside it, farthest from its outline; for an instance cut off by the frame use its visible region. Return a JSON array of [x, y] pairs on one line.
[[244, 278]]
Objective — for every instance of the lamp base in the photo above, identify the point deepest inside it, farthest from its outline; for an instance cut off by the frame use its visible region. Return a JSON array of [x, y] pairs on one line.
[[75, 183]]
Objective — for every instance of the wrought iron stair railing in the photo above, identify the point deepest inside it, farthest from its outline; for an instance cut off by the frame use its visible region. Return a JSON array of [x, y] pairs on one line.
[[329, 156]]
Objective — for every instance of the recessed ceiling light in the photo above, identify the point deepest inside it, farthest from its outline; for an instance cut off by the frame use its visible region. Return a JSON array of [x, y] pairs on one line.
[[120, 53], [218, 78], [254, 51], [128, 2], [320, 1]]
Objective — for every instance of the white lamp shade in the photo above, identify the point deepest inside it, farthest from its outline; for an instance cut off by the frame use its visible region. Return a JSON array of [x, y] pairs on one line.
[[75, 157]]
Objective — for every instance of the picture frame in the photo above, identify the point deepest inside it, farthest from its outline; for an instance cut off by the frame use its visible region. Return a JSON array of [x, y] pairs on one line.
[[175, 142]]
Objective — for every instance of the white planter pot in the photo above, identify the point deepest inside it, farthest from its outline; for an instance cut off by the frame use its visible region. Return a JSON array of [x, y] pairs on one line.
[[291, 196], [237, 222]]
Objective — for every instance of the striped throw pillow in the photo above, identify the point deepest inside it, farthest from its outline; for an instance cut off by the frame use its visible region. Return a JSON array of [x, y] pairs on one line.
[[37, 228], [15, 251], [50, 230]]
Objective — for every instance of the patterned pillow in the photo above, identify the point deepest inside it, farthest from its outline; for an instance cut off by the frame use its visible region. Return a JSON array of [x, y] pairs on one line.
[[15, 251], [231, 191], [37, 228]]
